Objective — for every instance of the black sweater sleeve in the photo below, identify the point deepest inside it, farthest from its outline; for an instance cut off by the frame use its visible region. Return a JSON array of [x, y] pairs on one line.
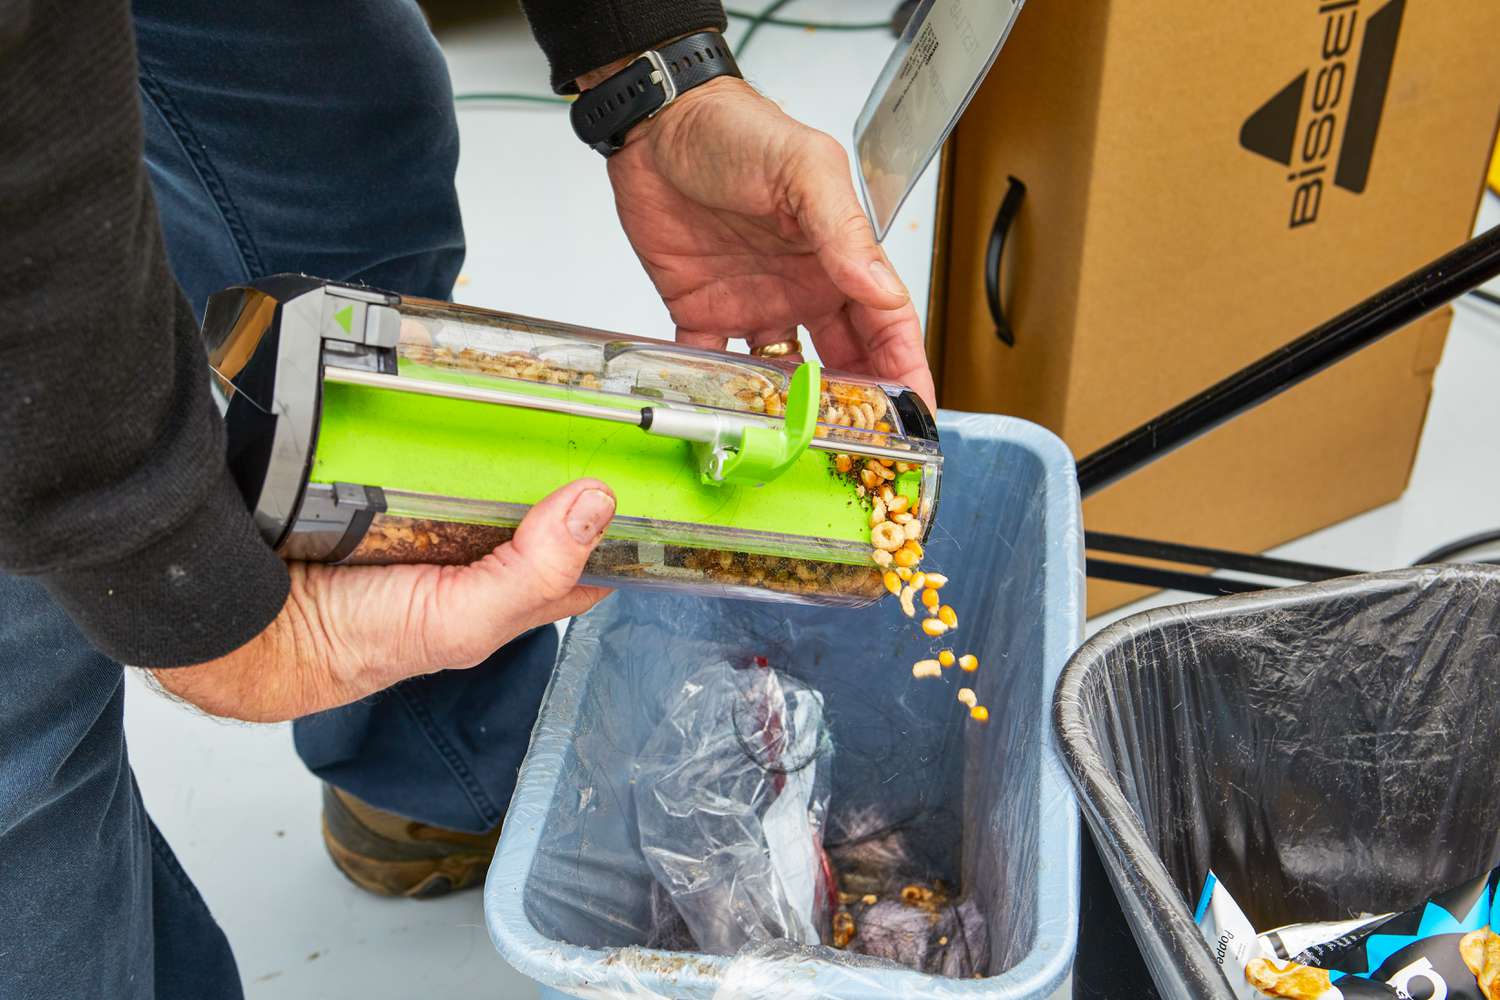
[[583, 35], [113, 487]]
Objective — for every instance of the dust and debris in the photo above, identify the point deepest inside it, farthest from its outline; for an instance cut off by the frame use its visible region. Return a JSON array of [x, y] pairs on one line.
[[313, 956]]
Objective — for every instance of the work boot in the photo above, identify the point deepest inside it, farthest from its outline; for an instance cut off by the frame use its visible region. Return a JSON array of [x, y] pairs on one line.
[[391, 855]]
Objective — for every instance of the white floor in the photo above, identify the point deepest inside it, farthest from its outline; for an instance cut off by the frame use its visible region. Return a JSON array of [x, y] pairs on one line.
[[234, 801]]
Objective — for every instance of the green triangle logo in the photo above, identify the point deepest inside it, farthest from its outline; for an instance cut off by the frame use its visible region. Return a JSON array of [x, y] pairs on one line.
[[344, 317]]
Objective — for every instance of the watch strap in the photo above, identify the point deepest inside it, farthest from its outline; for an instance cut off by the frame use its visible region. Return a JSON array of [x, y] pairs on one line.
[[603, 115]]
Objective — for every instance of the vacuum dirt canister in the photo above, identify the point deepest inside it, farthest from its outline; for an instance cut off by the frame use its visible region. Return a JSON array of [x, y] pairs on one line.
[[367, 427]]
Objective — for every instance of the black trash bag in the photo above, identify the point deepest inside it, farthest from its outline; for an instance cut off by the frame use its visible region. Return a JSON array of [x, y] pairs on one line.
[[1328, 750]]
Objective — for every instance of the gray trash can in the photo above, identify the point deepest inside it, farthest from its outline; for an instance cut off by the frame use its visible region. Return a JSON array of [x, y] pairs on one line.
[[1328, 750], [568, 899]]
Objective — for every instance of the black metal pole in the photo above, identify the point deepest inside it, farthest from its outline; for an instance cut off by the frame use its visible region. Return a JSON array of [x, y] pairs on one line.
[[1169, 579], [1198, 555], [1420, 292]]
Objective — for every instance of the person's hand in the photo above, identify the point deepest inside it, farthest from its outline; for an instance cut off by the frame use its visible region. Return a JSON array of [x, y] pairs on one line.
[[748, 225], [349, 631]]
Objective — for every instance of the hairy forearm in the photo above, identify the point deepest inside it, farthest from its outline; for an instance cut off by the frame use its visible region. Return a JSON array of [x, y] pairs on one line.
[[297, 666]]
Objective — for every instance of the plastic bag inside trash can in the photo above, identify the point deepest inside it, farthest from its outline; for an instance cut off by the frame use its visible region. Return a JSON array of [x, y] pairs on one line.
[[731, 792], [1328, 751]]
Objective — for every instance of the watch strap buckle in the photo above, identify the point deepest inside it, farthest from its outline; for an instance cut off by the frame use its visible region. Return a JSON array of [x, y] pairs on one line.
[[663, 76]]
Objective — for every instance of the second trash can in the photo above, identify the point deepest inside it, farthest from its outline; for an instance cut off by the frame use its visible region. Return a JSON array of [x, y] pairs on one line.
[[1329, 751], [569, 899]]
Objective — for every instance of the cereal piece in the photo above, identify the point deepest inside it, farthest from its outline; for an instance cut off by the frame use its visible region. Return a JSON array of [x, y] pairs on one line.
[[888, 536], [899, 503], [904, 556], [843, 929], [968, 697], [946, 658], [892, 582], [935, 581], [903, 520], [979, 713], [877, 513], [916, 895], [930, 600], [926, 668], [969, 662], [933, 627], [912, 528], [948, 616], [888, 495], [907, 607], [882, 558]]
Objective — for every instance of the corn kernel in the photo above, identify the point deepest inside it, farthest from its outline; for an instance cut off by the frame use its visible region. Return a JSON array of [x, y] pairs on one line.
[[915, 546], [869, 479], [933, 627], [869, 899], [969, 662], [881, 425], [899, 503], [918, 578], [968, 697], [979, 713], [887, 462], [904, 572], [946, 657], [843, 463], [930, 601], [882, 558], [892, 582], [906, 557], [935, 581], [947, 615], [926, 668]]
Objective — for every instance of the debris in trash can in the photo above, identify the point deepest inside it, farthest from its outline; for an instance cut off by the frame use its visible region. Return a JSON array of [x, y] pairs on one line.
[[897, 910], [1439, 949]]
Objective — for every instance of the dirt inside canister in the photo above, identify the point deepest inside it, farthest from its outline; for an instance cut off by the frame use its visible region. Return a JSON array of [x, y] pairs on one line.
[[396, 539]]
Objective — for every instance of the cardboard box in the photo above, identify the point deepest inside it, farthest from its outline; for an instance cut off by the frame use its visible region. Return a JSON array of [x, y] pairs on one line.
[[1204, 183]]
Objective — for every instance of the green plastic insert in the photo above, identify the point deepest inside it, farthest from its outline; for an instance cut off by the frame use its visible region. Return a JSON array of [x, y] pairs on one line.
[[484, 451]]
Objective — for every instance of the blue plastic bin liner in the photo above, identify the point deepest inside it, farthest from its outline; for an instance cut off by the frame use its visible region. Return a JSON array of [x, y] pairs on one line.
[[1328, 750], [568, 898]]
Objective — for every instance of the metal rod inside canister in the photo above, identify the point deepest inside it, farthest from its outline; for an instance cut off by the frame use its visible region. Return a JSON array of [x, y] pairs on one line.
[[1419, 293], [475, 394]]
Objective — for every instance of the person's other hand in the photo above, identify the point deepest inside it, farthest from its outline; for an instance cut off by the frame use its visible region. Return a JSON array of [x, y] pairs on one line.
[[349, 631], [747, 222]]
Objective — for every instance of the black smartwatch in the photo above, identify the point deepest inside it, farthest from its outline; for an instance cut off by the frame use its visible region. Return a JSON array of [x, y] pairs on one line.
[[604, 114]]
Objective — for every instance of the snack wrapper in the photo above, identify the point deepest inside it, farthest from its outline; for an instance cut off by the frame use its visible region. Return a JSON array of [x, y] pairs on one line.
[[1444, 949]]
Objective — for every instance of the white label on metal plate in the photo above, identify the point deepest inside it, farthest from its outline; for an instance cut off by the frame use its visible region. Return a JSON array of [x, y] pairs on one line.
[[937, 66]]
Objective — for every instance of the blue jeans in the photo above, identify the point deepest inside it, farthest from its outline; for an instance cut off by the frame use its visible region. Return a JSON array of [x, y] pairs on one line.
[[280, 136]]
